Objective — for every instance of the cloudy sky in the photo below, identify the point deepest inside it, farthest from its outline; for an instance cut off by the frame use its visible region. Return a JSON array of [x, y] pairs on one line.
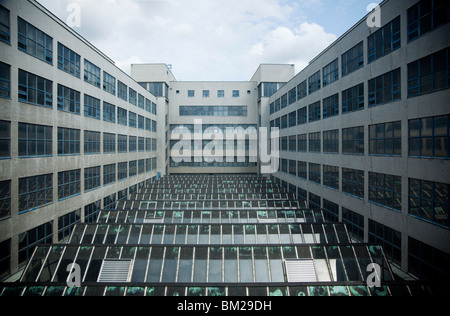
[[211, 40]]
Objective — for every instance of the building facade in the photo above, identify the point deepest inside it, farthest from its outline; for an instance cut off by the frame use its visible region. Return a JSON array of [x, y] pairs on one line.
[[364, 130]]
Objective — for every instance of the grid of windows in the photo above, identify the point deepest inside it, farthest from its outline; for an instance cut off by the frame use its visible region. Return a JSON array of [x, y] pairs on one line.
[[5, 199], [132, 144], [390, 239], [66, 224], [33, 41], [122, 90], [141, 122], [68, 141], [132, 168], [302, 143], [141, 101], [315, 173], [122, 116], [314, 83], [91, 73], [92, 178], [292, 96], [314, 142], [293, 119], [431, 73], [132, 119], [109, 174], [109, 83], [109, 112], [426, 16], [302, 170], [91, 212], [353, 99], [5, 139], [68, 99], [314, 112], [385, 139], [35, 90], [109, 143], [213, 111], [68, 60], [5, 27], [430, 201], [427, 262], [385, 190], [331, 141], [5, 80], [302, 90], [35, 192], [35, 140], [141, 144], [122, 143], [353, 182], [69, 183], [353, 59], [353, 140], [122, 170], [331, 106], [302, 116], [430, 137], [385, 88], [132, 96], [331, 72], [92, 142], [293, 143], [384, 41], [331, 176], [91, 107], [29, 240]]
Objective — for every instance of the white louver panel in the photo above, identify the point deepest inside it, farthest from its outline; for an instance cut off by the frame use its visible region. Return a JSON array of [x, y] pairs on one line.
[[299, 271], [115, 271]]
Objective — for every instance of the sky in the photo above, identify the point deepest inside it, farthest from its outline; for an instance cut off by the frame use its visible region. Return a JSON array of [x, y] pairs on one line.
[[210, 40]]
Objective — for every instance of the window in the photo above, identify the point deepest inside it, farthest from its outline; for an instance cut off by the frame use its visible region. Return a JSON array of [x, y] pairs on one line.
[[219, 111], [292, 96], [91, 73], [109, 83], [206, 93], [91, 107], [314, 142], [385, 190], [5, 139], [132, 119], [122, 143], [314, 82], [122, 116], [353, 99], [315, 173], [284, 143], [29, 240], [122, 172], [235, 93], [35, 140], [331, 176], [430, 137], [331, 141], [35, 90], [30, 40], [141, 101], [191, 93], [109, 112], [133, 144], [425, 16], [68, 100], [109, 174], [141, 122], [431, 73], [220, 93], [91, 142], [384, 41], [302, 116], [91, 212], [293, 143], [388, 238], [293, 119], [132, 168], [35, 192], [141, 144], [302, 90], [141, 166], [122, 90], [148, 144], [109, 143], [283, 101], [5, 80], [354, 223], [68, 60], [67, 223], [331, 211], [314, 201], [385, 139], [109, 202], [430, 201], [148, 124], [427, 262], [385, 88], [331, 72], [5, 26], [353, 140], [284, 121], [314, 112], [133, 96], [69, 183], [353, 59], [5, 199], [68, 141], [353, 182], [302, 170], [331, 106], [92, 178], [302, 143]]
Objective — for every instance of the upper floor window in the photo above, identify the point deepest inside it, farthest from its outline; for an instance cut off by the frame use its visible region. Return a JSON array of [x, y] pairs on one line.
[[384, 41], [5, 26], [109, 83], [426, 16], [68, 60], [385, 88], [235, 93], [35, 90], [314, 82], [5, 80], [430, 137], [33, 41], [353, 59], [91, 73], [331, 72], [68, 100]]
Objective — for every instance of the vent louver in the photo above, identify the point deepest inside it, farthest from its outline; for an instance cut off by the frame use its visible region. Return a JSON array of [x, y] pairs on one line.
[[115, 271]]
